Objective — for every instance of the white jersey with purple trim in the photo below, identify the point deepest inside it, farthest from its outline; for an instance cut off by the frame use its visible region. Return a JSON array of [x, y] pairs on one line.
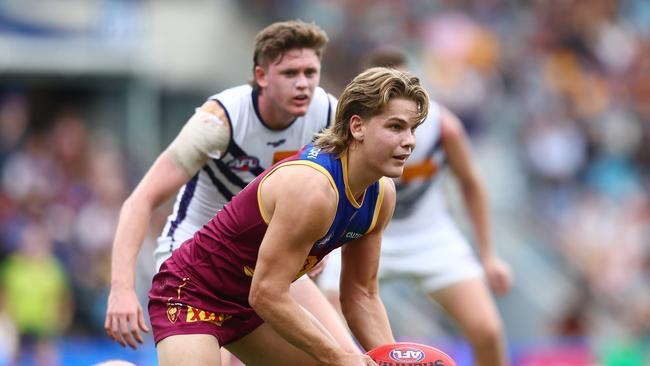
[[422, 224], [420, 197], [253, 147]]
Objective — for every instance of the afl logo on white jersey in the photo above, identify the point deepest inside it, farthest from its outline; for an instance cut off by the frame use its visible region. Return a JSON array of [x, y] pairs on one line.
[[244, 163]]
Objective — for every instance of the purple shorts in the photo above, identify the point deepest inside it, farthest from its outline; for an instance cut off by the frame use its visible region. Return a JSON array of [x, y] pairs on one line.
[[181, 304]]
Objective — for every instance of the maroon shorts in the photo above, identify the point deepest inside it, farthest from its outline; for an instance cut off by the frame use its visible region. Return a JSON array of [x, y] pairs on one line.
[[181, 304]]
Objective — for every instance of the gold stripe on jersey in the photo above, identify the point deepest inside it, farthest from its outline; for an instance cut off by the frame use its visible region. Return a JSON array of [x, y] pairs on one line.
[[311, 164], [348, 192], [380, 199]]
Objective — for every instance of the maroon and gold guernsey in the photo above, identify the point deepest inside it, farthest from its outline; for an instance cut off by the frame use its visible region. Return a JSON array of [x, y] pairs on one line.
[[203, 288]]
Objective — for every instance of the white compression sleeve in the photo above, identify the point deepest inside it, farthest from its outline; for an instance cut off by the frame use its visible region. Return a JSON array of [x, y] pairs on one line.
[[204, 135]]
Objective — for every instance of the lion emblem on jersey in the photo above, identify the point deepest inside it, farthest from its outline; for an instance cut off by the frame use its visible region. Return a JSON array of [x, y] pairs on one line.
[[173, 310]]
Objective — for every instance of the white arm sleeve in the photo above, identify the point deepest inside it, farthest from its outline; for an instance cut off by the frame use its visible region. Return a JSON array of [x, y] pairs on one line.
[[204, 136]]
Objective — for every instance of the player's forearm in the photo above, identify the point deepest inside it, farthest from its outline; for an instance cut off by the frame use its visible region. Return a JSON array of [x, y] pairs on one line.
[[475, 199], [292, 322], [366, 316], [129, 235]]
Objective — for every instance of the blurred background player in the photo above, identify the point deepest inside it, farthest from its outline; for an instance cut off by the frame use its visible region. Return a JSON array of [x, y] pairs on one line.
[[229, 140], [423, 243], [229, 284]]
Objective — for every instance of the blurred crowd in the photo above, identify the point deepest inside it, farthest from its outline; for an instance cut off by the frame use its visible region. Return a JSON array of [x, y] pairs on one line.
[[571, 78], [63, 184], [61, 194]]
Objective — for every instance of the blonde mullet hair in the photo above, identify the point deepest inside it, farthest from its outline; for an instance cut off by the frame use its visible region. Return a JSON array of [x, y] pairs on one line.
[[366, 96]]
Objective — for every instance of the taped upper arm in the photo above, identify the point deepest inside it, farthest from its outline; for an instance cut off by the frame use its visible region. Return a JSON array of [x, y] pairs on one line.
[[205, 135], [211, 106]]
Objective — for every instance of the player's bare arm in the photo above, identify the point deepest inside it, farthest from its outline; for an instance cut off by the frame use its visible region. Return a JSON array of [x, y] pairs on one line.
[[171, 170], [456, 144], [360, 301], [298, 216]]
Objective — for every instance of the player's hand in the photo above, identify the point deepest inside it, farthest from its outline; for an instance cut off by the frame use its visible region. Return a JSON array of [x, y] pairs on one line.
[[498, 273], [124, 317], [318, 269]]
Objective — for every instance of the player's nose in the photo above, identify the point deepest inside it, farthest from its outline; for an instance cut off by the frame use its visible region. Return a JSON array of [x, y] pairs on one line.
[[301, 81], [409, 139]]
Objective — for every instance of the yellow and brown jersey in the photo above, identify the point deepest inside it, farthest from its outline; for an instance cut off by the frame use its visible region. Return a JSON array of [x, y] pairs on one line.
[[204, 286]]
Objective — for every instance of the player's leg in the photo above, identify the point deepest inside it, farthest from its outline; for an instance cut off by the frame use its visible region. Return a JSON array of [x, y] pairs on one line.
[[470, 303], [163, 251], [182, 335], [189, 349], [227, 359], [328, 280], [265, 347], [455, 279], [307, 294]]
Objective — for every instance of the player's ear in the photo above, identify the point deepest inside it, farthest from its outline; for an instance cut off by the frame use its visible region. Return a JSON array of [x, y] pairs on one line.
[[260, 76], [357, 127]]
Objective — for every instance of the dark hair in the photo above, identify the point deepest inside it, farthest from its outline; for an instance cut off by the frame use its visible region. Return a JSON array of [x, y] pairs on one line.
[[272, 42], [386, 57]]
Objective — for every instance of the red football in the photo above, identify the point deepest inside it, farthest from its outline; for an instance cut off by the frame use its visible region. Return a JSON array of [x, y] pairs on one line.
[[406, 353]]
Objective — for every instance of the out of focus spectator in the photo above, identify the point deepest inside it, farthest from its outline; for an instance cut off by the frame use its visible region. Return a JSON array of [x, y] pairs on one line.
[[14, 120], [72, 184], [30, 183], [93, 230], [36, 295], [461, 59]]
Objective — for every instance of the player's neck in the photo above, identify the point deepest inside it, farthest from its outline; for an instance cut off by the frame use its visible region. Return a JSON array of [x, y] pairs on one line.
[[275, 118], [360, 176]]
